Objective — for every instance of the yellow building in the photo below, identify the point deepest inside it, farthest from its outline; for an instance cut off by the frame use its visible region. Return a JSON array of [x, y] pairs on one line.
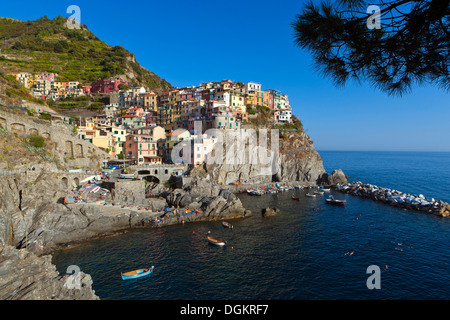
[[106, 141], [150, 101], [237, 102]]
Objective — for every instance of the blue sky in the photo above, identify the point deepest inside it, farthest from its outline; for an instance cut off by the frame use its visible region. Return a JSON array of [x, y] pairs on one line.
[[189, 42]]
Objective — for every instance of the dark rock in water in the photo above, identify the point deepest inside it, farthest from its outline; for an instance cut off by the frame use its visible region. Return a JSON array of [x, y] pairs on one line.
[[269, 211]]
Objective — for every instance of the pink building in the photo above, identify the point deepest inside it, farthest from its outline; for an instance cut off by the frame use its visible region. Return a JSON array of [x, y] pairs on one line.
[[142, 148], [151, 119], [107, 85], [47, 76], [87, 89]]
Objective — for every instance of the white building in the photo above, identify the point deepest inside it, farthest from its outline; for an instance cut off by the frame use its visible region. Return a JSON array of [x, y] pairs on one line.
[[252, 86], [283, 116]]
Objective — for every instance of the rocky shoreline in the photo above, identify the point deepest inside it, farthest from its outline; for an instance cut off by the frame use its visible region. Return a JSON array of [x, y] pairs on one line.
[[26, 276], [395, 198], [36, 220], [39, 216]]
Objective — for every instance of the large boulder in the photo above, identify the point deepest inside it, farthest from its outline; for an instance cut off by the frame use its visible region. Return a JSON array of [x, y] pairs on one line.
[[267, 212], [214, 203], [336, 177]]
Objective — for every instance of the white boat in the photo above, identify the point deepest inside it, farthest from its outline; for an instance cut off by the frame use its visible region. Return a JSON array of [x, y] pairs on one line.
[[126, 176], [255, 192], [333, 201], [319, 192], [311, 195], [216, 242]]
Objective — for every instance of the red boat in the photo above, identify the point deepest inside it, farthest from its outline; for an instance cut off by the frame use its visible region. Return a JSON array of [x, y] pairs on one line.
[[295, 198]]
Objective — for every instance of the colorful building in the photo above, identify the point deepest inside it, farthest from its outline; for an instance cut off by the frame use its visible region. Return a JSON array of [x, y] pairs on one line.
[[107, 85]]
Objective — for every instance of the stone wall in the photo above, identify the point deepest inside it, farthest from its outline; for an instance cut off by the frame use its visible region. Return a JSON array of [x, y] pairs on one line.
[[76, 152], [162, 172]]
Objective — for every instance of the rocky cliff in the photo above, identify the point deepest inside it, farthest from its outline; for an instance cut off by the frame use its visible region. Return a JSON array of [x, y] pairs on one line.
[[296, 160], [25, 276]]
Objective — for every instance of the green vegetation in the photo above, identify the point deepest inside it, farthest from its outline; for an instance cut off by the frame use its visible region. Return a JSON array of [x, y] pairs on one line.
[[264, 115], [93, 103], [16, 89], [37, 141], [295, 125], [46, 45], [45, 116]]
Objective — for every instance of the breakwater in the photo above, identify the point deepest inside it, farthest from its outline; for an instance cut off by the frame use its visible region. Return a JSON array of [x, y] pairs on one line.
[[395, 198]]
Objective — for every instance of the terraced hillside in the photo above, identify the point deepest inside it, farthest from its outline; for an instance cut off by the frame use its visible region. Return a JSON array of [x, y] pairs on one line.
[[46, 45]]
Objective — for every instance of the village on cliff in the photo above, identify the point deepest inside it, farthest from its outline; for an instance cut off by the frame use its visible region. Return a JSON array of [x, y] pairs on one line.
[[142, 127]]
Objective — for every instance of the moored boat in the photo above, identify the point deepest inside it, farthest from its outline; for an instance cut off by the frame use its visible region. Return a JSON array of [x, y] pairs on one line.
[[319, 192], [254, 192], [216, 242], [295, 198], [311, 195], [334, 201], [136, 273], [227, 224]]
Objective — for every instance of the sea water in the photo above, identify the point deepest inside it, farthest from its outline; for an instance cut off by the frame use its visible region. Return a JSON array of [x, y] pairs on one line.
[[310, 250]]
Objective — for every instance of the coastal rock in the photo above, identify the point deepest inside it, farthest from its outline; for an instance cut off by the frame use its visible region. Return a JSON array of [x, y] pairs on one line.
[[297, 161], [212, 202], [336, 177], [395, 198], [269, 212], [130, 192], [25, 276], [157, 204]]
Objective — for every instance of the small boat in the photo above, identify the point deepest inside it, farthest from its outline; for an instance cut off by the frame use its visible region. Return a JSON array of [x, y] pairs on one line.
[[126, 176], [227, 224], [319, 192], [333, 201], [311, 195], [216, 242], [254, 192], [295, 198], [136, 273], [325, 190]]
